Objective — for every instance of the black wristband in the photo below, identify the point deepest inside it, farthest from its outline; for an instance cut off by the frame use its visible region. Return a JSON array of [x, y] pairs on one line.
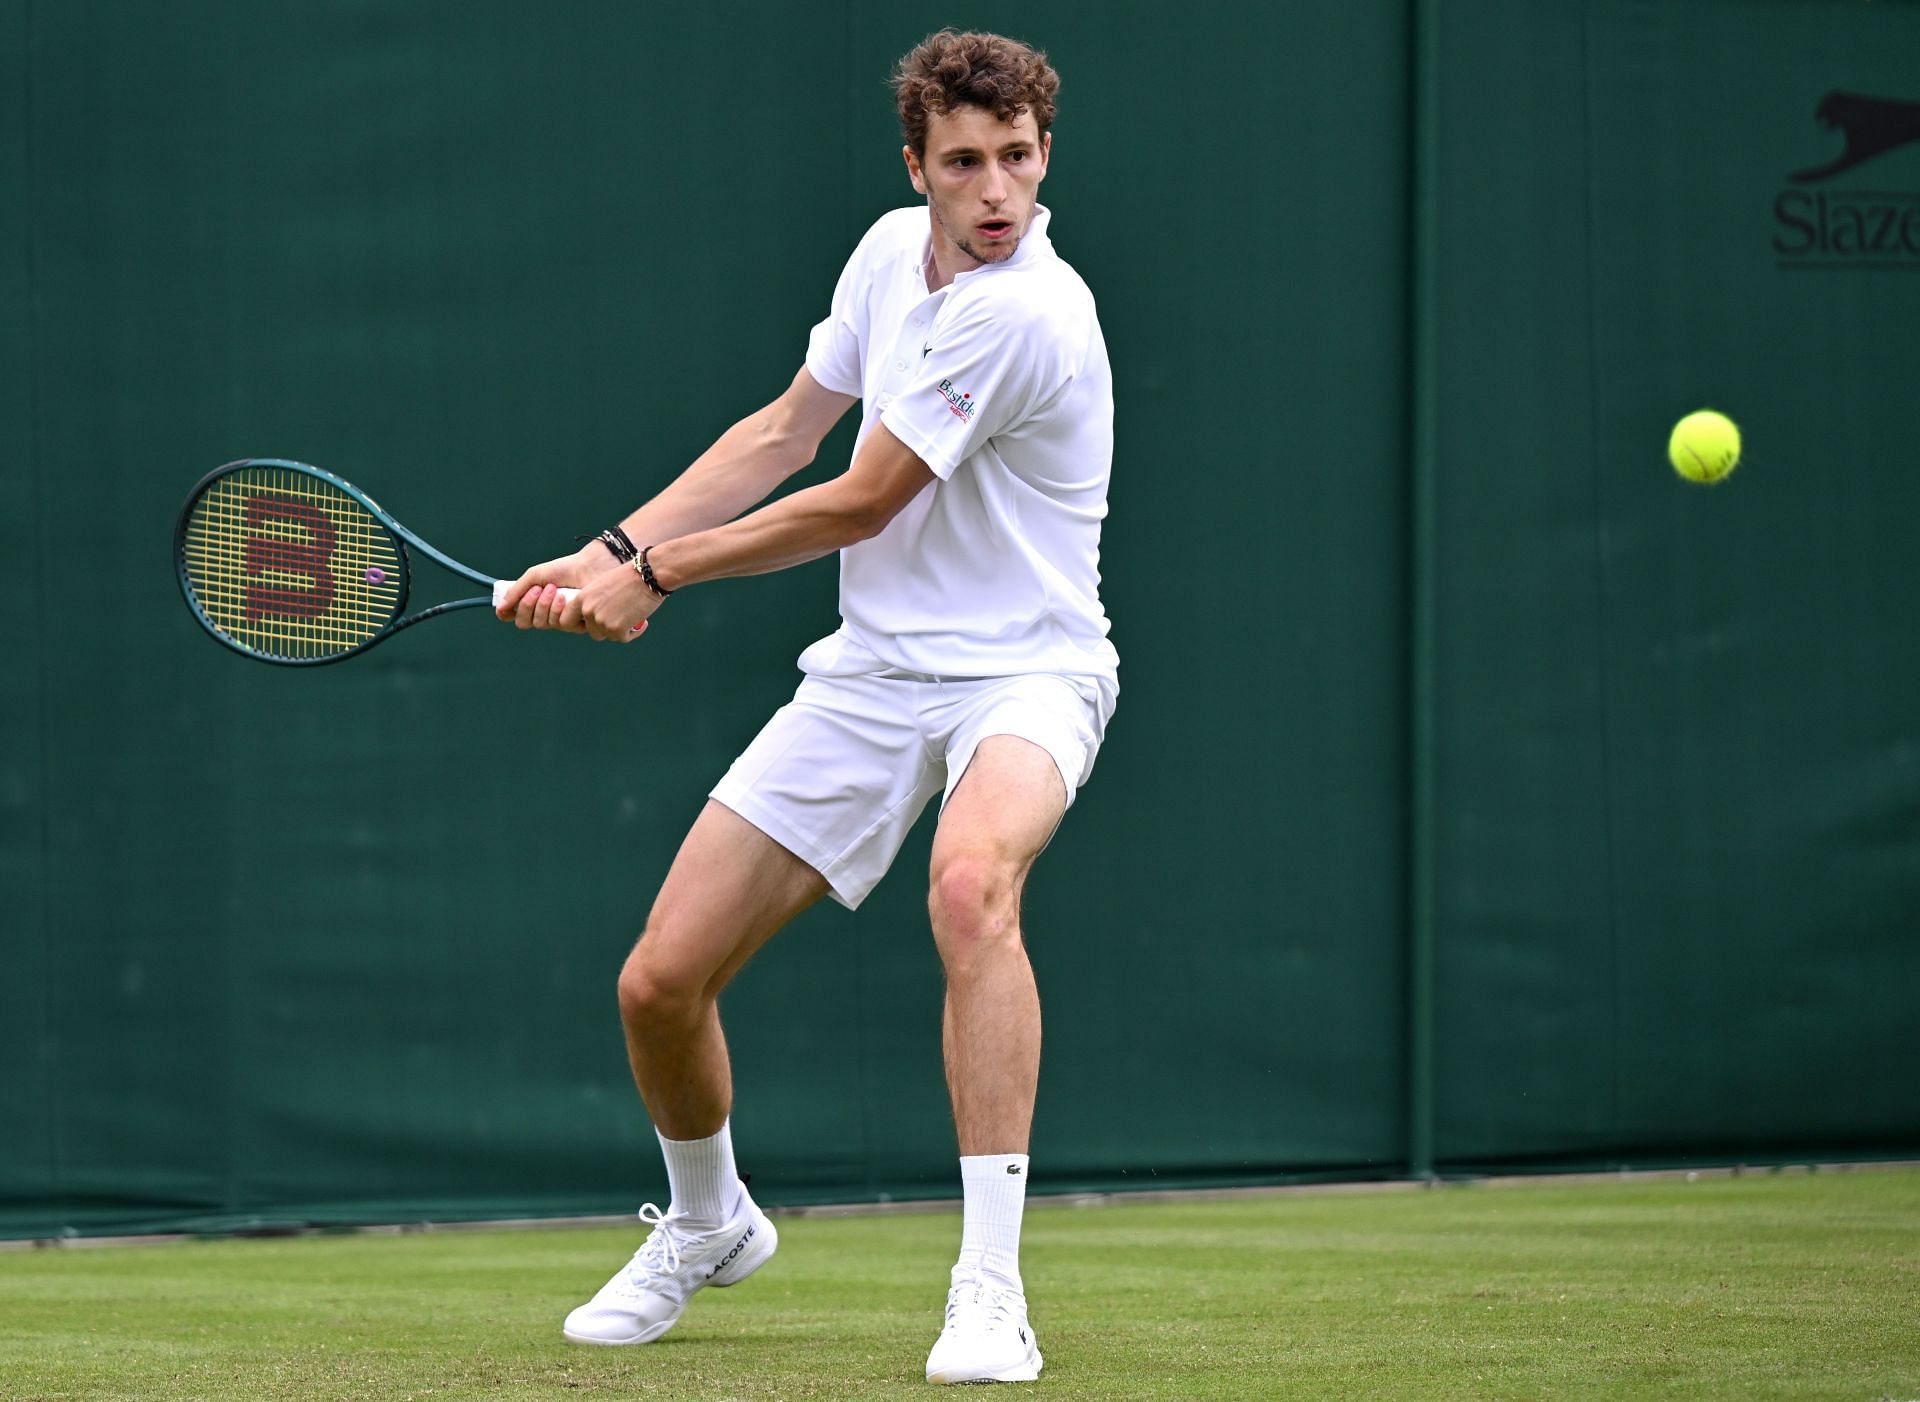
[[646, 573], [617, 541]]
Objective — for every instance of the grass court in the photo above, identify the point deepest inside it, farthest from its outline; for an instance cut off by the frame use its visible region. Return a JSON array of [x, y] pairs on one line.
[[1771, 1285]]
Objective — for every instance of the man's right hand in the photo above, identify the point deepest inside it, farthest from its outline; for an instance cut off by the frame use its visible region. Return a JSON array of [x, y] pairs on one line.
[[533, 600]]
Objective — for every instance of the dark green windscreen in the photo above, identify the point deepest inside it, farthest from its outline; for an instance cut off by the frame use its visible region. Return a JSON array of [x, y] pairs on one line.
[[1574, 816]]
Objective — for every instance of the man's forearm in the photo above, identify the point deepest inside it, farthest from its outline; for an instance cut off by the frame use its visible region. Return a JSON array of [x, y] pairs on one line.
[[808, 524], [743, 466], [803, 526]]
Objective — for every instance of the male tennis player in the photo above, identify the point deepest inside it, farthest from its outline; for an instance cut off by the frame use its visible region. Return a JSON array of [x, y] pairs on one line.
[[971, 662]]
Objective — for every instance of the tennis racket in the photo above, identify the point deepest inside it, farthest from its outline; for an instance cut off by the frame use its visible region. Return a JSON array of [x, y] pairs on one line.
[[289, 564]]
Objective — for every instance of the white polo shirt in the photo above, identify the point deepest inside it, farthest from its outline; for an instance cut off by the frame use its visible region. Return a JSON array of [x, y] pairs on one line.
[[1000, 382]]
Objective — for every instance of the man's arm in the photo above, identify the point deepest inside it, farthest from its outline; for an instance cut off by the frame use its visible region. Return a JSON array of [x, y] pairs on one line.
[[742, 467], [745, 464], [858, 504]]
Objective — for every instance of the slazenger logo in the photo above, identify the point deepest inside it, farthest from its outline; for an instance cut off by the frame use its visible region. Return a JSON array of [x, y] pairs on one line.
[[958, 404], [1872, 126], [1852, 228]]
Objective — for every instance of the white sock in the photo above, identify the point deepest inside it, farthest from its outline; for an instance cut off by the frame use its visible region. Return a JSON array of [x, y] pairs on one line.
[[995, 1188], [701, 1172]]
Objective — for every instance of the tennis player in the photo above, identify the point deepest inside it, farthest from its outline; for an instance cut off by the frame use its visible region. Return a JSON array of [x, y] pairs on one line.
[[971, 663]]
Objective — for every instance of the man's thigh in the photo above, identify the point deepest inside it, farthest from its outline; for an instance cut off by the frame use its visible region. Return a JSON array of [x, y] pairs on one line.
[[1005, 807], [1064, 716], [729, 890], [1017, 750]]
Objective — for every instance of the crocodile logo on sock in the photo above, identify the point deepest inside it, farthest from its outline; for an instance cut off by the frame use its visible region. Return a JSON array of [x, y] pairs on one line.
[[1013, 1168]]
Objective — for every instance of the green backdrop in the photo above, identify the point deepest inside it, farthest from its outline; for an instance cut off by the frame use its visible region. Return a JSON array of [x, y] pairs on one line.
[[1480, 796]]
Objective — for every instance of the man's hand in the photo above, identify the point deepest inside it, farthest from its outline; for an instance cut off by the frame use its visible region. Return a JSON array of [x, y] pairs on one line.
[[533, 600], [613, 607]]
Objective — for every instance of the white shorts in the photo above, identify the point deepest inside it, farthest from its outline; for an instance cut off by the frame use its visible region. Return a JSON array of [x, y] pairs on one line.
[[841, 772]]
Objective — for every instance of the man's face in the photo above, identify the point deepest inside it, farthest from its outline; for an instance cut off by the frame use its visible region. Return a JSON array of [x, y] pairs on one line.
[[980, 176]]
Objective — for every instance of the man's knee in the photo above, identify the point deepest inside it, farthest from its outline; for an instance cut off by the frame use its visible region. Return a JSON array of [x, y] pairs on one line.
[[652, 991], [974, 901]]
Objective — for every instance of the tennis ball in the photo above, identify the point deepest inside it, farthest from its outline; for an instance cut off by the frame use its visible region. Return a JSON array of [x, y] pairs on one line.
[[1705, 446]]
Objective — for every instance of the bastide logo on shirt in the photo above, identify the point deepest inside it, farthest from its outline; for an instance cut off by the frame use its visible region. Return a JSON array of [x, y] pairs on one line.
[[958, 404]]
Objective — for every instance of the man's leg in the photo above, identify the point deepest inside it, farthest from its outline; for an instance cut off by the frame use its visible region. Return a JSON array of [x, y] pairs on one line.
[[1000, 816], [998, 819], [729, 890]]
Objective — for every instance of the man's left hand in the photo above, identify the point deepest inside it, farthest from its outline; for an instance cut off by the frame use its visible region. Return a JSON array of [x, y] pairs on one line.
[[612, 607]]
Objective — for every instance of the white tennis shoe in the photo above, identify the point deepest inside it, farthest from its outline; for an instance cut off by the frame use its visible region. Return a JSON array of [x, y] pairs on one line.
[[987, 1338], [647, 1295]]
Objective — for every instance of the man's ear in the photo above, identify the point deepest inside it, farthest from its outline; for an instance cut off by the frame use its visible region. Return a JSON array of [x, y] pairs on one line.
[[914, 173]]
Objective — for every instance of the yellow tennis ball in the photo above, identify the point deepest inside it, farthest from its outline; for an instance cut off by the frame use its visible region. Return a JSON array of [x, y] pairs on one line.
[[1705, 446]]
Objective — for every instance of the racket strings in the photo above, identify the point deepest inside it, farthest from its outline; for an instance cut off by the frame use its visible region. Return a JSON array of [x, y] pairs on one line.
[[289, 565]]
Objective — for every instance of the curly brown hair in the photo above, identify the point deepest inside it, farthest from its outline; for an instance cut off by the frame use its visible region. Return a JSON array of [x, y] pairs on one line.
[[949, 70]]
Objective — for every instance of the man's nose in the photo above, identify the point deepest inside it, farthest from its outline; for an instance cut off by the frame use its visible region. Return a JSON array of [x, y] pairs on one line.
[[995, 190]]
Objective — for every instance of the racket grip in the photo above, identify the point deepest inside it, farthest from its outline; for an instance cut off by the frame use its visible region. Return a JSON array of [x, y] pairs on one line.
[[500, 591]]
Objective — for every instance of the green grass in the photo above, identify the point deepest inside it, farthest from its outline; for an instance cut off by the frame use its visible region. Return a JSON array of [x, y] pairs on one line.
[[1778, 1286]]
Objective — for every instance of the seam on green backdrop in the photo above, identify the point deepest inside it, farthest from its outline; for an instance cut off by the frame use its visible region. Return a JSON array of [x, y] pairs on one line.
[[1601, 577], [1422, 467], [850, 95], [37, 572]]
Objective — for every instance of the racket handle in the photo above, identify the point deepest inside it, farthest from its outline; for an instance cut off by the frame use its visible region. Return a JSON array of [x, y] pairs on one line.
[[500, 592]]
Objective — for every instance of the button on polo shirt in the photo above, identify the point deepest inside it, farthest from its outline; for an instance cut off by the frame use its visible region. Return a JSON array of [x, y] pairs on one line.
[[1000, 383]]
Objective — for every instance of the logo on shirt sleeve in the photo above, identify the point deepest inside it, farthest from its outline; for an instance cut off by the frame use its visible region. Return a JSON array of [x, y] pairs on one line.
[[958, 404]]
